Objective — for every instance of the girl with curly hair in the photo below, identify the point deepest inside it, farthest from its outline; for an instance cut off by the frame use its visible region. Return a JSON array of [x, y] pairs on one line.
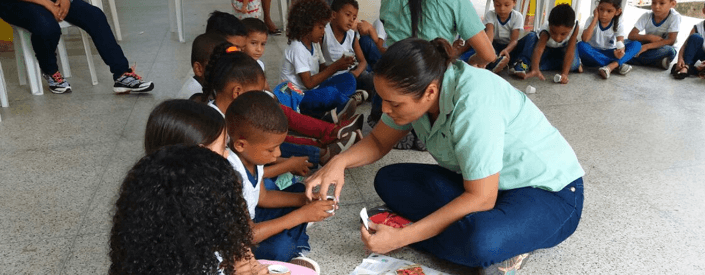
[[180, 211], [304, 70]]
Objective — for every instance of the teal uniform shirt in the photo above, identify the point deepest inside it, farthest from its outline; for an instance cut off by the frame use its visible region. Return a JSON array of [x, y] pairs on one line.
[[487, 126], [440, 18]]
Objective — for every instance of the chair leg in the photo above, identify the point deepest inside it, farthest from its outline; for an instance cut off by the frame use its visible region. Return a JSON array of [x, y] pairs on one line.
[[19, 57], [89, 57], [3, 90], [63, 57], [172, 15], [116, 23], [180, 19], [33, 71], [283, 7]]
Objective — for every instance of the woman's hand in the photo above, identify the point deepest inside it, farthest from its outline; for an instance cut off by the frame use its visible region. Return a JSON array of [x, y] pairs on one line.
[[384, 240], [331, 173], [63, 6], [534, 73], [317, 210], [619, 53], [298, 165]]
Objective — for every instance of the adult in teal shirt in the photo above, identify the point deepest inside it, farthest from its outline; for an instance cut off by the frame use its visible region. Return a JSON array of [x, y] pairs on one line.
[[507, 183]]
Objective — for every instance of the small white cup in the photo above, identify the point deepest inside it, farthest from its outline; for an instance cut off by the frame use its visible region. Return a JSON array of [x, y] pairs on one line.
[[277, 269], [619, 44], [530, 90], [698, 63], [557, 78], [331, 198]]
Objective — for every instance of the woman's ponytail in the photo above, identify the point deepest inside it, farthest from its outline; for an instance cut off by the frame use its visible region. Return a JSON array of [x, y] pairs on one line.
[[445, 49]]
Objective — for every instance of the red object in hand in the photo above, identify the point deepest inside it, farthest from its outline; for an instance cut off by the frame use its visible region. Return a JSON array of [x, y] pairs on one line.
[[390, 219]]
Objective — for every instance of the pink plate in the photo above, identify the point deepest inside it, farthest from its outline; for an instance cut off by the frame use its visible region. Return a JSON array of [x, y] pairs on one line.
[[295, 269]]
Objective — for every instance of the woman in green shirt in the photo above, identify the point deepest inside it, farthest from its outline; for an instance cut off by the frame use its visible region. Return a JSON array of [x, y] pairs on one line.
[[506, 183]]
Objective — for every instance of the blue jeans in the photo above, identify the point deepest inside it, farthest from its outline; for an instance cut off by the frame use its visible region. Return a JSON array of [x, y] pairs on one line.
[[593, 57], [522, 51], [287, 244], [552, 59], [295, 150], [334, 92], [370, 51], [46, 32], [693, 51], [522, 220], [653, 57]]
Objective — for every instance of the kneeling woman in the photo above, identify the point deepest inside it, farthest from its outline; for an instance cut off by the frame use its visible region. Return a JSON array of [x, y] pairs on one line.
[[506, 183]]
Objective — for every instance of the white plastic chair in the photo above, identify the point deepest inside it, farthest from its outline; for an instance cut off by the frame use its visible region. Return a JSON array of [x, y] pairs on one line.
[[176, 18], [26, 59], [3, 91]]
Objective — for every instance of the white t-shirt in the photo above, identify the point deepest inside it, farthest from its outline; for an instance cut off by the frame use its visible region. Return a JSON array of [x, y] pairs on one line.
[[261, 64], [332, 49], [191, 86], [646, 23], [298, 59], [379, 28], [606, 38], [503, 30], [557, 44], [249, 192], [700, 28]]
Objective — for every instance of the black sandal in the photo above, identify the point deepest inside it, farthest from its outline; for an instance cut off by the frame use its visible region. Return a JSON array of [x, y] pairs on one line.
[[679, 75], [275, 32]]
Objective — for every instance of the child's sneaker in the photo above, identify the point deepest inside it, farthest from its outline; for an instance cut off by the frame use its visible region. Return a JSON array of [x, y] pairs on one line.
[[339, 146], [360, 96], [306, 262], [666, 63], [57, 83], [604, 72], [506, 267], [348, 126], [625, 69], [131, 82], [498, 64], [519, 69], [335, 116]]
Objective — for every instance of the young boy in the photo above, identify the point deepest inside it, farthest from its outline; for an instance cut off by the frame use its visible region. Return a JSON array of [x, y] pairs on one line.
[[229, 26], [256, 40], [555, 49], [201, 50], [660, 28], [503, 26], [693, 50], [257, 126], [339, 41]]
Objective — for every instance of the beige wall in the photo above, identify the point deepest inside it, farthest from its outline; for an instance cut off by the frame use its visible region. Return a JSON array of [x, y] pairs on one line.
[[369, 10]]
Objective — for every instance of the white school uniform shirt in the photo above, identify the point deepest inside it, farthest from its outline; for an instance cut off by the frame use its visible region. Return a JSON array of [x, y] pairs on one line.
[[379, 28], [249, 192], [605, 39], [332, 49], [557, 44], [261, 64], [503, 30], [646, 23], [298, 59], [700, 28], [191, 86]]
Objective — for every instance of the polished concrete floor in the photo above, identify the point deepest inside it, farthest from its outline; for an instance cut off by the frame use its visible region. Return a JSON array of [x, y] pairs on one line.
[[640, 139]]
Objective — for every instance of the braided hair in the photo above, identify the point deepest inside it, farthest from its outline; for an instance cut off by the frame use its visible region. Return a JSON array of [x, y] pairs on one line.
[[226, 67]]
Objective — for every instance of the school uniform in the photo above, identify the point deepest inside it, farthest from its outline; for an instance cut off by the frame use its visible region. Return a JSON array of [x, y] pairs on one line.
[[599, 51], [502, 36], [333, 50], [694, 48], [647, 23], [190, 87], [555, 51], [334, 92]]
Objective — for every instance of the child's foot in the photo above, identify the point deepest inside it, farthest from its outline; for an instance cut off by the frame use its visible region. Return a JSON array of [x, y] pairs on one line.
[[624, 69], [580, 68], [360, 96], [341, 114], [604, 72], [57, 83], [508, 266], [306, 262], [338, 147], [681, 73], [131, 82], [348, 126], [519, 69]]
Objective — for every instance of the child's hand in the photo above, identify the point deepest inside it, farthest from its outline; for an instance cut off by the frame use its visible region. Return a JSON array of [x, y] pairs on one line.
[[343, 63], [564, 79], [619, 53], [316, 211], [243, 9], [505, 53], [364, 27], [641, 51], [534, 73], [298, 165], [595, 14]]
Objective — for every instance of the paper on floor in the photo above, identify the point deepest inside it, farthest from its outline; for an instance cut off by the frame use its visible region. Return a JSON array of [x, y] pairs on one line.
[[377, 264]]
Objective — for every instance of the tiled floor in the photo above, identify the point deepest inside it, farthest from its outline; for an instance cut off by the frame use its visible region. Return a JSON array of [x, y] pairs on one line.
[[640, 139]]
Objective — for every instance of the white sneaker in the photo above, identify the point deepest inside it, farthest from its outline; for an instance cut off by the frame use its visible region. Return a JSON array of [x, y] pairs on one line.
[[666, 63], [604, 72], [360, 96], [625, 69], [306, 262]]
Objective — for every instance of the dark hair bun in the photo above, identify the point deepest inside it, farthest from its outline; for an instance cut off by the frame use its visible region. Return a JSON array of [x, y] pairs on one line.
[[445, 49]]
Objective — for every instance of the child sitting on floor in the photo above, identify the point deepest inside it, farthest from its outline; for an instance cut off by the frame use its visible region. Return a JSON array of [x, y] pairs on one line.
[[604, 45], [256, 40], [556, 47], [312, 87], [660, 28], [257, 126], [201, 51], [693, 50], [229, 26], [340, 41]]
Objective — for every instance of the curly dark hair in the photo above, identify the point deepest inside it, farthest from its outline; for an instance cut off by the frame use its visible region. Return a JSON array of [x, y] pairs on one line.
[[304, 15], [177, 207]]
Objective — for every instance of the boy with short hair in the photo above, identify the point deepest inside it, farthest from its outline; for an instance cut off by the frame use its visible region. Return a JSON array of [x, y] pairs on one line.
[[257, 126], [201, 50], [256, 38], [556, 47], [660, 28], [693, 50], [229, 26]]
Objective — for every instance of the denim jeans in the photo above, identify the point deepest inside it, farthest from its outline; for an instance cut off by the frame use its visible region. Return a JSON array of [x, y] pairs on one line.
[[334, 92], [552, 59], [287, 244], [693, 51], [522, 51], [593, 57], [370, 51], [521, 221], [295, 150], [46, 32], [653, 57]]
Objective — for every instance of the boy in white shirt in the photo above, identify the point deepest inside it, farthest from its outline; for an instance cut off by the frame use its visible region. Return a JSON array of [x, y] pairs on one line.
[[660, 28], [256, 41], [201, 50], [693, 50]]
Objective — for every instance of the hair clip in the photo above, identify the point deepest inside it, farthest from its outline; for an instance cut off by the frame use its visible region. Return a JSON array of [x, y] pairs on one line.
[[232, 49]]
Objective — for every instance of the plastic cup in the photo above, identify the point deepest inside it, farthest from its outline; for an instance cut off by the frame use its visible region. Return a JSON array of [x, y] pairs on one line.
[[698, 63], [530, 90], [557, 78], [620, 45], [277, 269]]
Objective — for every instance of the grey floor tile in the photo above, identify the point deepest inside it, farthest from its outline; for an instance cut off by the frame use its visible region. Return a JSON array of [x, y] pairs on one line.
[[137, 121], [89, 255], [38, 256]]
